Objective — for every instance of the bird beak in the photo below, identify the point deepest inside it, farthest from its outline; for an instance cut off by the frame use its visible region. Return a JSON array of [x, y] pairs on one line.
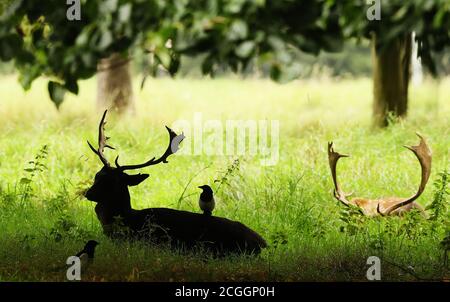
[[200, 187]]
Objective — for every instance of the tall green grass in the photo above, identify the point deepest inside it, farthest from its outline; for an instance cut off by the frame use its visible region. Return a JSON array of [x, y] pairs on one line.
[[44, 217]]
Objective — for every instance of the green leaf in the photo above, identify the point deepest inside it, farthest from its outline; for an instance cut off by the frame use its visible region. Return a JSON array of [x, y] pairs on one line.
[[276, 42], [105, 40], [125, 13], [275, 72], [164, 58], [174, 65], [439, 17], [28, 74], [400, 14], [72, 86], [238, 30], [10, 46], [234, 6], [245, 49], [207, 65], [25, 57], [56, 92], [88, 59], [25, 181], [85, 35], [38, 34], [108, 6], [11, 10]]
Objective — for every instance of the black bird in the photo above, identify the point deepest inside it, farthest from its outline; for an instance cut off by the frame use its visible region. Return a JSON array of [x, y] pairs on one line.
[[206, 200], [86, 255]]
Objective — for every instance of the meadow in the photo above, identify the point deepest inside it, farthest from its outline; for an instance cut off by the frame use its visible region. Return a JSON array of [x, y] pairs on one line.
[[44, 217]]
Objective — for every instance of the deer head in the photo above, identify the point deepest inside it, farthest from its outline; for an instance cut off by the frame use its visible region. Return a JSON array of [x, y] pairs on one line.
[[383, 206], [111, 183]]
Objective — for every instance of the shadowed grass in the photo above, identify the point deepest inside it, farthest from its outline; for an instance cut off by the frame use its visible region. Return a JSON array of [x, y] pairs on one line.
[[289, 204]]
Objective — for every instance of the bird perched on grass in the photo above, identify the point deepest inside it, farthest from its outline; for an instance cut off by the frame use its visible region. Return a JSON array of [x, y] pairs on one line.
[[206, 200], [86, 255]]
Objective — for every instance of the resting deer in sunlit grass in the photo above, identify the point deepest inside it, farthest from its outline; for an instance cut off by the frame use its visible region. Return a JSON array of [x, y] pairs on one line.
[[161, 225], [389, 205]]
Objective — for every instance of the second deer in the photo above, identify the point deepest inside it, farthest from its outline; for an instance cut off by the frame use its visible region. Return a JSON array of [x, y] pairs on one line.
[[388, 205]]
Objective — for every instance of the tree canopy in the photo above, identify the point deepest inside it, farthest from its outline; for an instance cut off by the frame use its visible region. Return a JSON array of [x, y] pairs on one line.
[[42, 41], [428, 19]]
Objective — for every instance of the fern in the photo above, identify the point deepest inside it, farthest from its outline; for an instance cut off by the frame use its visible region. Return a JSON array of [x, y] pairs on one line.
[[36, 166], [227, 174], [438, 206], [353, 218]]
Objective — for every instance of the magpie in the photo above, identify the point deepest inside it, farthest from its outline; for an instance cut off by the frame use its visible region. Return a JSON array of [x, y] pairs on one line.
[[206, 200], [86, 255]]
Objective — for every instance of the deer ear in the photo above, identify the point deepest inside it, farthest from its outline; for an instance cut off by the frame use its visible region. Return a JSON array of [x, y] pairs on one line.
[[134, 180]]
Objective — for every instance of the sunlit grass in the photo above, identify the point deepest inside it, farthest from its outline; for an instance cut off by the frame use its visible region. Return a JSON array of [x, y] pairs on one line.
[[291, 200]]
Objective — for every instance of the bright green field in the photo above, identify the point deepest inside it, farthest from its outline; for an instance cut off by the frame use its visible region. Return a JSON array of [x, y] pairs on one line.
[[289, 204]]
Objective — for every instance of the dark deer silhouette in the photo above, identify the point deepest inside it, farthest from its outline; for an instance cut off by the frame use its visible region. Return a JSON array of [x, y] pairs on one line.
[[177, 228]]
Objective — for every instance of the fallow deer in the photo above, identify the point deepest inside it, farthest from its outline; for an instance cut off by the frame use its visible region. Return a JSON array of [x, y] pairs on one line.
[[389, 205], [161, 225]]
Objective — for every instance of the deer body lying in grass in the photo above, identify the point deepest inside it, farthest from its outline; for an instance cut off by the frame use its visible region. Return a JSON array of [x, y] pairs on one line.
[[389, 205], [161, 225]]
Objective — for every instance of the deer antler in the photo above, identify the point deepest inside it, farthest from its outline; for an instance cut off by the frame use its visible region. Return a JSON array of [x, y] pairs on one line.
[[101, 141], [333, 158], [423, 154], [174, 142]]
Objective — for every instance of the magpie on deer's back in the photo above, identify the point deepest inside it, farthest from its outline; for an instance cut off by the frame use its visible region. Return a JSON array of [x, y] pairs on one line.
[[206, 200]]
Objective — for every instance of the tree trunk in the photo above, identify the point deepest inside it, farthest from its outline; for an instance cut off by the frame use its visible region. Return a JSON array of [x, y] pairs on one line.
[[391, 74], [114, 86]]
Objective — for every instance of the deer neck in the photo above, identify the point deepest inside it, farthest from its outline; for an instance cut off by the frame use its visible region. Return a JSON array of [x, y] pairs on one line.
[[109, 209]]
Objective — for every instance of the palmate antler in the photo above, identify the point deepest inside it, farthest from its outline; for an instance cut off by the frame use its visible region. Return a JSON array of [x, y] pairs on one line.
[[101, 141], [423, 154], [333, 158], [384, 206], [174, 142]]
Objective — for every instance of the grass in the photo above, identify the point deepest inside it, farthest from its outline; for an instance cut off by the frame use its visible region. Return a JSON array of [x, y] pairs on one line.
[[44, 217]]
